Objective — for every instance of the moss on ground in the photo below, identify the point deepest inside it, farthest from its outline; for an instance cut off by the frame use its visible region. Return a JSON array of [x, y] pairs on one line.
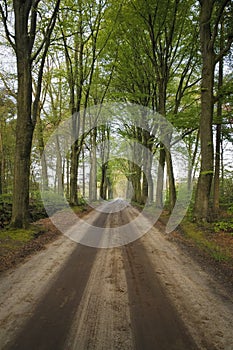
[[12, 239], [218, 247], [17, 244]]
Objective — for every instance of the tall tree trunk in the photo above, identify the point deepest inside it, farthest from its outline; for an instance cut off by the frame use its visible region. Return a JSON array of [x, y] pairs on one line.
[[59, 168], [24, 127], [135, 178], [147, 182], [146, 168], [162, 153], [145, 186], [44, 168], [192, 160], [84, 173], [206, 134], [105, 149], [217, 168], [25, 25], [171, 180], [67, 175], [129, 189], [103, 183], [74, 174], [77, 91], [2, 161], [110, 188], [160, 178], [93, 168], [137, 166], [218, 134]]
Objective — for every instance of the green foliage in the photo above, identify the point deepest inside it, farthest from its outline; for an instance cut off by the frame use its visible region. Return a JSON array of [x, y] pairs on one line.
[[36, 208], [207, 172], [226, 226], [5, 210], [200, 237], [226, 198], [230, 209], [22, 235], [13, 240]]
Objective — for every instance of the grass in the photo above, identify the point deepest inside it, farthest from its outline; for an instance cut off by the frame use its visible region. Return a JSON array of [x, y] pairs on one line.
[[11, 239], [203, 237]]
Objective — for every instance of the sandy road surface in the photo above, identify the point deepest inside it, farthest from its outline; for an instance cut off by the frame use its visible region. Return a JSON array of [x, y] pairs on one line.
[[144, 295]]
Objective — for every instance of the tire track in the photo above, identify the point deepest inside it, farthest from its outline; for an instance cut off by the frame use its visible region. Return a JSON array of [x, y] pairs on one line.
[[50, 323], [155, 322]]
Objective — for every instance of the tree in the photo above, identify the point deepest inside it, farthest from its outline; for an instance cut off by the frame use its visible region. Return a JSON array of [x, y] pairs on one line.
[[159, 53], [7, 139], [27, 51], [211, 13], [81, 26]]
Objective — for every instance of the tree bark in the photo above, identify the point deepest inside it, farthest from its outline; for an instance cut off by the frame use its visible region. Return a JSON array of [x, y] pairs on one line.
[[171, 179], [147, 182], [206, 134], [25, 26], [84, 173], [44, 168], [105, 149], [24, 125], [59, 168], [2, 162], [192, 160], [136, 182], [74, 174], [160, 178], [218, 135], [93, 168]]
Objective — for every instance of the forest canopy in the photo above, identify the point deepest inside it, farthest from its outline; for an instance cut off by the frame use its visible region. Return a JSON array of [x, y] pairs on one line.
[[61, 59]]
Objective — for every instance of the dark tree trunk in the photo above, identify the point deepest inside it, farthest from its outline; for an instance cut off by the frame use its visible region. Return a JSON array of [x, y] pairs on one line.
[[59, 168], [25, 18], [110, 188], [218, 135], [135, 178], [147, 181], [206, 134], [24, 125], [84, 173], [44, 168], [103, 183], [160, 178], [105, 149], [2, 161], [67, 175], [162, 152], [192, 160], [171, 180], [74, 174], [93, 168]]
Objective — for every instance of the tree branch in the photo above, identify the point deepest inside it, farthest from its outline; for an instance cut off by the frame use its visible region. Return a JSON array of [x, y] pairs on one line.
[[220, 13], [33, 22], [48, 31], [4, 18]]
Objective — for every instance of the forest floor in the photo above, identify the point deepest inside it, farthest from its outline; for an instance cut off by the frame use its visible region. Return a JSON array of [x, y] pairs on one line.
[[213, 250], [148, 294], [18, 245]]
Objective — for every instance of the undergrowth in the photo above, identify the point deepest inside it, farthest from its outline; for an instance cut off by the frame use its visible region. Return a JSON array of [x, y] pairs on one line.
[[203, 236]]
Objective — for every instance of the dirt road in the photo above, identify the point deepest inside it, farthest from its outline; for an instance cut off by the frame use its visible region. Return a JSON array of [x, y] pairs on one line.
[[143, 295]]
